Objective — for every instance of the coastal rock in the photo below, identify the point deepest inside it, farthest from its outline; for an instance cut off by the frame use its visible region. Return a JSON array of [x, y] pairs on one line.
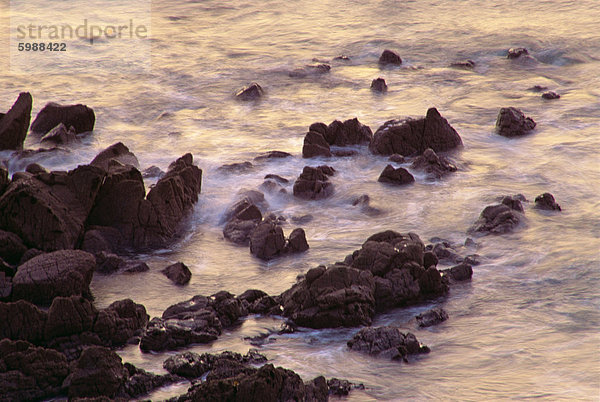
[[397, 158], [68, 316], [546, 201], [48, 210], [397, 176], [310, 70], [432, 317], [116, 152], [236, 168], [413, 136], [22, 320], [349, 132], [15, 123], [4, 180], [193, 365], [29, 372], [140, 382], [120, 321], [313, 183], [152, 171], [379, 85], [239, 231], [60, 273], [267, 241], [429, 259], [337, 296], [466, 64], [459, 273], [389, 57], [315, 145], [244, 210], [444, 252], [432, 164], [296, 242], [516, 52], [499, 218], [386, 342], [550, 95], [251, 92], [60, 135], [5, 284], [80, 117], [179, 273], [11, 247], [511, 122], [272, 155]]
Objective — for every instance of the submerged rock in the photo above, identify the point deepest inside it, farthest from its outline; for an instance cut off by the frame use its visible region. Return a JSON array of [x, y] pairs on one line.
[[389, 57], [432, 317], [237, 168], [550, 95], [251, 92], [272, 155], [511, 122], [310, 70], [413, 136], [313, 183], [80, 117], [515, 53], [15, 123], [386, 342], [546, 201], [397, 176], [434, 165], [459, 273], [466, 64]]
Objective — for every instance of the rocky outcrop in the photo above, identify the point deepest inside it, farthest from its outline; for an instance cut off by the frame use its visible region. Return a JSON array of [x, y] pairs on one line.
[[389, 57], [120, 321], [432, 317], [251, 92], [68, 316], [320, 137], [80, 117], [413, 136], [117, 152], [546, 201], [267, 240], [60, 273], [179, 273], [313, 183], [397, 176], [315, 145], [15, 123], [386, 342], [499, 218], [511, 122], [379, 85], [192, 365], [434, 165]]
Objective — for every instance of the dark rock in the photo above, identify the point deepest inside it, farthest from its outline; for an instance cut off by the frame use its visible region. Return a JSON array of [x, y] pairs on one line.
[[339, 387], [178, 273], [140, 382], [239, 232], [133, 267], [61, 273], [466, 64], [389, 57], [35, 169], [386, 342], [409, 136], [317, 390], [429, 259], [22, 320], [512, 122], [313, 183], [187, 364], [277, 178], [315, 145], [397, 158], [546, 201], [338, 296], [432, 317], [432, 164], [68, 316], [60, 135], [444, 252], [350, 132], [152, 171], [48, 211], [98, 372], [95, 240], [223, 365], [120, 321], [343, 153], [310, 70], [80, 117], [397, 176], [296, 242], [460, 272], [550, 95], [4, 180], [5, 285], [29, 254], [108, 263], [513, 202], [11, 247], [537, 88], [244, 210], [267, 241], [302, 220], [29, 372], [15, 123], [379, 85], [251, 92], [514, 53], [272, 155], [241, 167], [116, 152], [72, 346], [498, 219]]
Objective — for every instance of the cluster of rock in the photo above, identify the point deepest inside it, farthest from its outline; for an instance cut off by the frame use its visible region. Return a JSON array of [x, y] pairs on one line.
[[321, 137], [387, 342], [313, 183]]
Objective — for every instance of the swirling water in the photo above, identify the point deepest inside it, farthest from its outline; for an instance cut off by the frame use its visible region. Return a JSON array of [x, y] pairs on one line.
[[526, 326]]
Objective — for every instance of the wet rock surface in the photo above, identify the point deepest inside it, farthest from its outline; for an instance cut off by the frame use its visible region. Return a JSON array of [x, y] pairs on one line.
[[413, 136], [117, 152], [550, 95], [60, 135], [546, 201], [465, 64], [516, 52], [386, 342], [80, 117], [397, 176], [499, 218], [311, 70], [320, 137], [15, 123], [313, 183], [379, 85], [459, 273], [511, 122]]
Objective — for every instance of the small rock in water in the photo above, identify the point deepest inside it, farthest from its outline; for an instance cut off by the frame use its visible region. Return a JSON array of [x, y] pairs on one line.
[[511, 122], [251, 92], [272, 155], [342, 57], [459, 273], [550, 95], [389, 57], [277, 178], [514, 53], [432, 317], [313, 183], [240, 167], [379, 85], [397, 158], [537, 88], [546, 201], [386, 341], [434, 165], [179, 273], [397, 176], [466, 64], [310, 70]]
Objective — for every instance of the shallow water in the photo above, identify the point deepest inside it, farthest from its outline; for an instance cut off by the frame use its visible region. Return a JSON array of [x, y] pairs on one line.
[[526, 326]]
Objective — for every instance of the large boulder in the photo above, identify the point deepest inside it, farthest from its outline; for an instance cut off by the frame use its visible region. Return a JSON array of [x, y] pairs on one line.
[[80, 117], [117, 152], [313, 183], [413, 136], [22, 320], [511, 122], [60, 273], [48, 210], [15, 123], [397, 176], [337, 296], [387, 342]]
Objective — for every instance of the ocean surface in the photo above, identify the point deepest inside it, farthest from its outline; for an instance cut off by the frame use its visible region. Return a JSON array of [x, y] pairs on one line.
[[526, 326]]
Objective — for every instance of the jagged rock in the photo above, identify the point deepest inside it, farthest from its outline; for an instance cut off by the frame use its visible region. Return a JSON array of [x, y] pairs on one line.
[[267, 241], [397, 176], [389, 57], [244, 210], [72, 346], [341, 387], [444, 252], [120, 321], [251, 92], [379, 85], [350, 132], [313, 183], [140, 382], [239, 231], [432, 164], [317, 390], [61, 273], [499, 218], [387, 342], [60, 135], [430, 259], [193, 365], [409, 136], [15, 123], [432, 317], [11, 247], [178, 273], [338, 296], [80, 117], [116, 152], [550, 95], [511, 122], [315, 145], [22, 320], [547, 201], [514, 53]]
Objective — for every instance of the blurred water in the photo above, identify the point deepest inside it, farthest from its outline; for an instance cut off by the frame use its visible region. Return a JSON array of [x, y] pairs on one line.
[[527, 326]]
